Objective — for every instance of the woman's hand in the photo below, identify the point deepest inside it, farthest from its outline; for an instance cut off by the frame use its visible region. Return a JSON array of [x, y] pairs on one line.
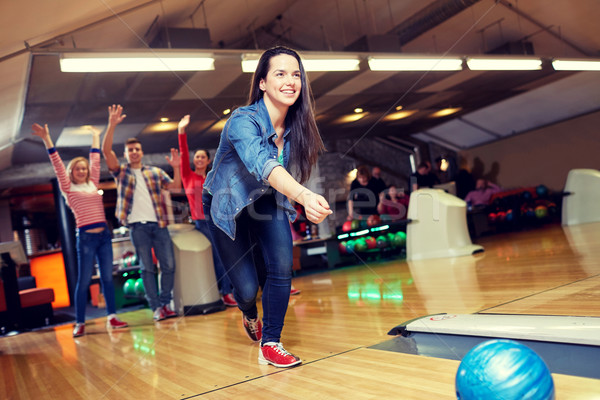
[[185, 121], [39, 131], [316, 207]]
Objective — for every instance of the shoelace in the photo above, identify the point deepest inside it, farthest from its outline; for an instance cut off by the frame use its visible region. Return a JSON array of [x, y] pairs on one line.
[[279, 349], [253, 325]]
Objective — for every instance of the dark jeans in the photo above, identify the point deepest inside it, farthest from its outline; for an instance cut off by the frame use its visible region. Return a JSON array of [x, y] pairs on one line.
[[223, 281], [145, 237], [94, 247], [261, 228]]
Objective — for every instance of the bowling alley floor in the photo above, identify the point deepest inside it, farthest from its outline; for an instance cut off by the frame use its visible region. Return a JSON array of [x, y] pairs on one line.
[[338, 325]]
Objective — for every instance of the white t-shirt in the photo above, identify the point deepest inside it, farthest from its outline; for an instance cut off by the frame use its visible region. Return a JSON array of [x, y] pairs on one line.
[[142, 208]]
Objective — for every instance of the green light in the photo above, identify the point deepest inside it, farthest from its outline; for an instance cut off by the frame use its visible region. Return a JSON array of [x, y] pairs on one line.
[[359, 233], [343, 236], [380, 228]]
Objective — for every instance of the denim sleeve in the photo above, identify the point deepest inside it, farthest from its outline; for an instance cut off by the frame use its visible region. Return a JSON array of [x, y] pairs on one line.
[[244, 134]]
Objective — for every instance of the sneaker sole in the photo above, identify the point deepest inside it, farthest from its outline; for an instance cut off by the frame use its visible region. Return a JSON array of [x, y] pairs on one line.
[[264, 361], [116, 327]]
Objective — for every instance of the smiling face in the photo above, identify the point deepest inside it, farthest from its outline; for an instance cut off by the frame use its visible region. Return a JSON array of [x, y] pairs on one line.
[[134, 154], [201, 161], [283, 82], [80, 172]]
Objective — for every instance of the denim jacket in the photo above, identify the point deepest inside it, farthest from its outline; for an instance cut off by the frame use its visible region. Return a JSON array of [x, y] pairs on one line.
[[244, 159]]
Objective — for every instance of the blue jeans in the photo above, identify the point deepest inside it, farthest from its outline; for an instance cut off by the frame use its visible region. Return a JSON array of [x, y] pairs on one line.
[[145, 237], [223, 281], [263, 240], [94, 247]]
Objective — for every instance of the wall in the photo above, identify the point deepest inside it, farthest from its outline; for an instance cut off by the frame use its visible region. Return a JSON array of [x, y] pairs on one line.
[[543, 156], [6, 233]]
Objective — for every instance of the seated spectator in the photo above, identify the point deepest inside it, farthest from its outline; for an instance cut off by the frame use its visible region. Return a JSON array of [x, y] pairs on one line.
[[484, 190], [362, 200], [393, 204]]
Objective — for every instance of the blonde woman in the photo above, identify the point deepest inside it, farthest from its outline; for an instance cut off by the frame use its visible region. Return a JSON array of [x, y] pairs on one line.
[[78, 184]]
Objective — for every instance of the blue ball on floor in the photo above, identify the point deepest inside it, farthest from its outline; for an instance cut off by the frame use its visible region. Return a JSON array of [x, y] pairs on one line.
[[503, 369]]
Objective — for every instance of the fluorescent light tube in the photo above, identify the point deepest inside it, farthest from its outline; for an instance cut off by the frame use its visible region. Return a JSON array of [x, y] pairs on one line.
[[576, 65], [136, 61], [415, 64], [504, 64], [312, 64]]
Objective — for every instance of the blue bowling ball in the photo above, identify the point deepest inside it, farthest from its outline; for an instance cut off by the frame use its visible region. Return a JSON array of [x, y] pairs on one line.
[[503, 369]]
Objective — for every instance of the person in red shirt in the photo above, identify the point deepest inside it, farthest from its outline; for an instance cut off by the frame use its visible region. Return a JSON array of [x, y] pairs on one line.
[[393, 204], [193, 183]]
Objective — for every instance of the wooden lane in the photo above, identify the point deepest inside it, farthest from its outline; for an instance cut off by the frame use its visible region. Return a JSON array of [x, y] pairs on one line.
[[330, 325], [375, 374]]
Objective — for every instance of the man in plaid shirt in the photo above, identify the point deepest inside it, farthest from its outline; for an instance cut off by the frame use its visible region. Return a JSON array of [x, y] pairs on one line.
[[141, 207]]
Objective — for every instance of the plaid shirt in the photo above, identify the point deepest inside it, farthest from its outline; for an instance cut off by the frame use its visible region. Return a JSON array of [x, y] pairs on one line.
[[156, 180]]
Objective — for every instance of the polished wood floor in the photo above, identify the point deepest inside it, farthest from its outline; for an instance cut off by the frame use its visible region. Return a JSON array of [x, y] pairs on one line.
[[553, 270]]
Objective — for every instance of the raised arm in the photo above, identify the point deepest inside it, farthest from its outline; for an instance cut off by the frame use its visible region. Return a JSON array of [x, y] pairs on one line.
[[174, 161], [115, 117], [184, 152], [95, 156], [315, 206], [64, 182]]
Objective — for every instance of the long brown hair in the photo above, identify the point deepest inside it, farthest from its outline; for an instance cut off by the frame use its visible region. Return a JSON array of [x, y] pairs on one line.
[[306, 143]]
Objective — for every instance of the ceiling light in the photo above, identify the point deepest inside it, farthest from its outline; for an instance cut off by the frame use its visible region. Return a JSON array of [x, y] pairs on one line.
[[313, 63], [164, 119], [351, 117], [504, 64], [399, 115], [415, 64], [445, 111], [136, 61], [358, 110], [226, 111], [576, 65], [398, 108]]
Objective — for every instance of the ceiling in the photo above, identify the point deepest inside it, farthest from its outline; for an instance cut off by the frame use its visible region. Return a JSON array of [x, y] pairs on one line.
[[493, 105]]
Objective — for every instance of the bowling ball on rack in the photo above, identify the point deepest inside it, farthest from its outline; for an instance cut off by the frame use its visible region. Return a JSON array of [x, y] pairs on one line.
[[139, 287], [342, 247], [347, 226], [360, 245], [400, 239], [350, 246], [541, 191], [371, 242], [503, 369], [129, 287], [541, 212], [382, 242]]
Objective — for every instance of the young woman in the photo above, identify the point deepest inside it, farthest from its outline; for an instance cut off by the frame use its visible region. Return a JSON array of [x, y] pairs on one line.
[[393, 204], [246, 194], [78, 184], [193, 182]]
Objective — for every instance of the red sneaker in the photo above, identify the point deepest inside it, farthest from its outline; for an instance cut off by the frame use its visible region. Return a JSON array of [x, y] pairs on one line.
[[273, 353], [115, 323], [253, 328], [294, 291], [159, 314], [167, 312], [79, 330], [229, 300]]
